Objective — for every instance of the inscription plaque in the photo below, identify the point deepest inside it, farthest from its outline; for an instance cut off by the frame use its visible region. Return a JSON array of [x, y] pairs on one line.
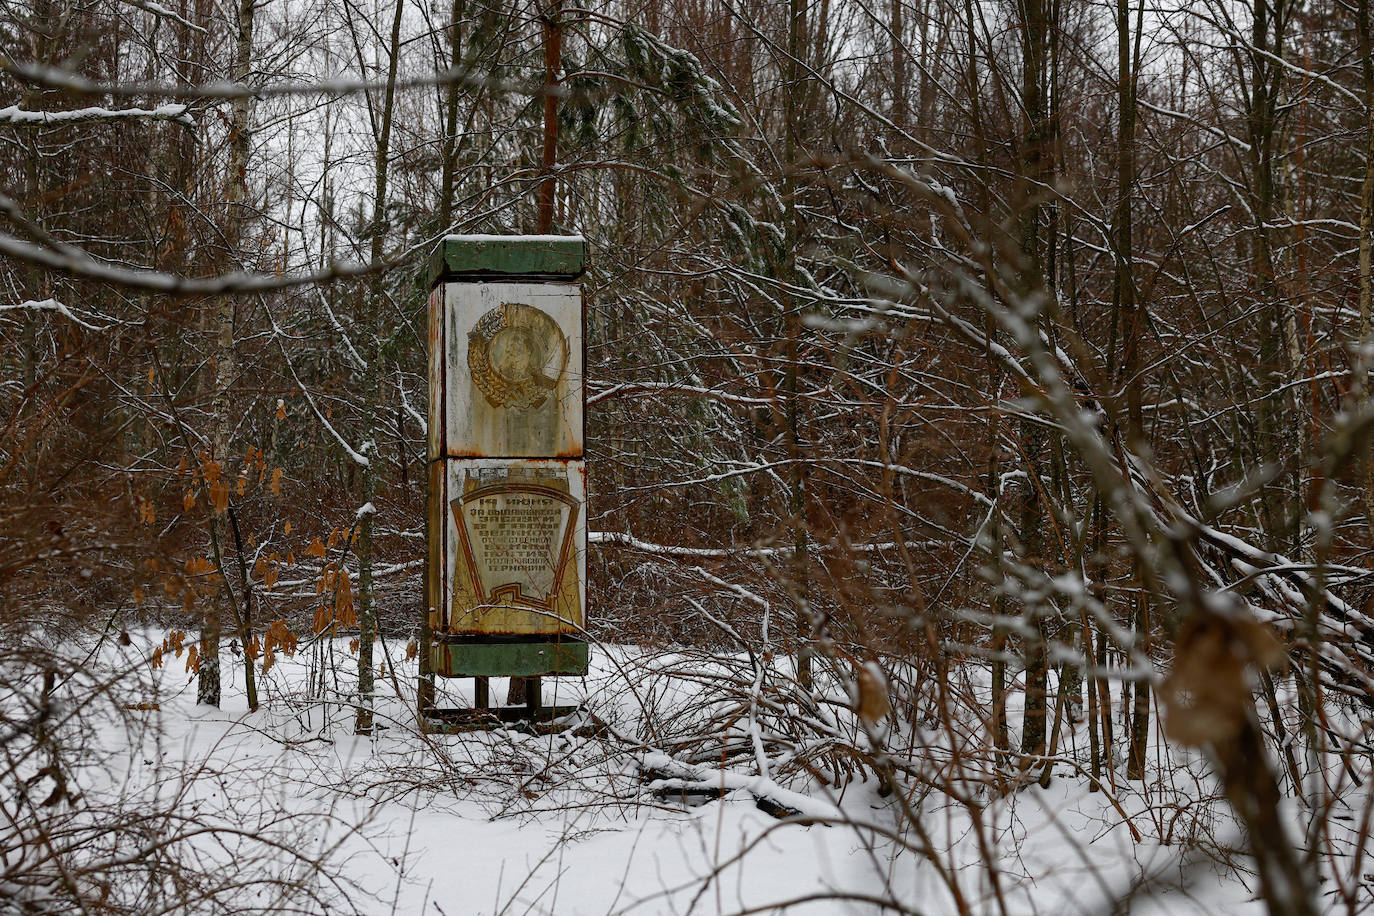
[[517, 547]]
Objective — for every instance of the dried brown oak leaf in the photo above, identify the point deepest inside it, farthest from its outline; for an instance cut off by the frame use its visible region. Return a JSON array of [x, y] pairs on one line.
[[873, 705], [1207, 695]]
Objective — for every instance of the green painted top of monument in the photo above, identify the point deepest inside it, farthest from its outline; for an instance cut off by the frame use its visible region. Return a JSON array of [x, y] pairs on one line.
[[481, 257]]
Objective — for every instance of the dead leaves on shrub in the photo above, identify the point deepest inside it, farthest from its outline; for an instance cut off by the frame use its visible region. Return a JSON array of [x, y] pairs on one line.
[[278, 638], [210, 474]]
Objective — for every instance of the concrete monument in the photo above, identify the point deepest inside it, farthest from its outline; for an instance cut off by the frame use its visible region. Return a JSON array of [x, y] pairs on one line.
[[506, 580]]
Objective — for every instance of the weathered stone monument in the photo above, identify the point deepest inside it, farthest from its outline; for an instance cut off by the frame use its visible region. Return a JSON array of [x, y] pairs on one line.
[[506, 575]]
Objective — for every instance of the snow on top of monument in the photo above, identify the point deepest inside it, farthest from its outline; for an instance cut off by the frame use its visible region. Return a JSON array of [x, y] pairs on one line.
[[508, 238]]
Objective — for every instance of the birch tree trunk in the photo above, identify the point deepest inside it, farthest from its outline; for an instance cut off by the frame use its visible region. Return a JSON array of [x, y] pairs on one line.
[[236, 192]]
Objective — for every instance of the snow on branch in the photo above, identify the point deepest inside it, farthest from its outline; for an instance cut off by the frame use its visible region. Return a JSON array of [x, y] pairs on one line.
[[667, 775], [14, 116], [649, 389], [74, 262], [50, 305], [223, 90], [625, 539], [162, 12]]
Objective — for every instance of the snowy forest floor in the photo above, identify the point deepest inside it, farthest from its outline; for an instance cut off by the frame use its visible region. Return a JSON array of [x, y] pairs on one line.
[[569, 822]]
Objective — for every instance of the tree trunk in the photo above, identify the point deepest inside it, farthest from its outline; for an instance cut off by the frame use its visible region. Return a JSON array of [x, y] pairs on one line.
[[521, 690], [450, 142], [426, 690], [900, 79], [1266, 80], [1361, 381], [553, 55], [236, 192], [1124, 293], [793, 104], [367, 609], [1036, 171]]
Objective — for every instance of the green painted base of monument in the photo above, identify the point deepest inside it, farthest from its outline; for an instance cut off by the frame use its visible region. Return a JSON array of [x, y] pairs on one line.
[[509, 658]]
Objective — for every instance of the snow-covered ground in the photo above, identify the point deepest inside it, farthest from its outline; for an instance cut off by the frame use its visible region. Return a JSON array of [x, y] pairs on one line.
[[569, 823]]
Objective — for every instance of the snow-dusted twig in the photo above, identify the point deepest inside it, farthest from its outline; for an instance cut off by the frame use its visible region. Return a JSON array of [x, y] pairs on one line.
[[51, 305]]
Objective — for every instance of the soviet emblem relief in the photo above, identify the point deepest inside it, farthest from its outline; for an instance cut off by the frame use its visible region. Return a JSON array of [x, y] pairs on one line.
[[516, 355]]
